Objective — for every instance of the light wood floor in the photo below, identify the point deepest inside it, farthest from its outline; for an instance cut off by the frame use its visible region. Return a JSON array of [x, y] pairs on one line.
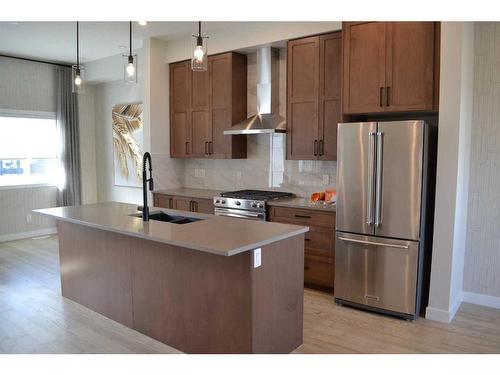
[[34, 318]]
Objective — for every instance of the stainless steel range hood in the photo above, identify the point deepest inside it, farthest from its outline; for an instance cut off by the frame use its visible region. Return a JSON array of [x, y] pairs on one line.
[[267, 120]]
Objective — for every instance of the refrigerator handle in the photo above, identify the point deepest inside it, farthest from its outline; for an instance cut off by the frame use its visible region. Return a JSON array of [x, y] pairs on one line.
[[374, 243], [369, 197], [378, 187]]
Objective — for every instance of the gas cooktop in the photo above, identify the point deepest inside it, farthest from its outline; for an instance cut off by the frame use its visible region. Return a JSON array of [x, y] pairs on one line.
[[260, 195]]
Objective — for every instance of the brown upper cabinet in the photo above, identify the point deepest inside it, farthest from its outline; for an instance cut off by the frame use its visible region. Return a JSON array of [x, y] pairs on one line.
[[313, 97], [204, 104], [390, 67]]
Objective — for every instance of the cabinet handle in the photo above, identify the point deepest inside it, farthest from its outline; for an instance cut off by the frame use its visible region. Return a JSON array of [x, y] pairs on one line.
[[206, 148], [387, 96], [195, 206], [187, 148], [381, 96], [315, 147], [321, 147], [303, 216], [210, 147], [170, 203], [307, 239], [306, 268]]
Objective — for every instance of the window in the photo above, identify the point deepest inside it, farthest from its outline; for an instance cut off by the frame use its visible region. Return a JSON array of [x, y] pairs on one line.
[[28, 149]]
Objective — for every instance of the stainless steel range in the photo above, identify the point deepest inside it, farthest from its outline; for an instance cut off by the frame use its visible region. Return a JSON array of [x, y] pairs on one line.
[[246, 204]]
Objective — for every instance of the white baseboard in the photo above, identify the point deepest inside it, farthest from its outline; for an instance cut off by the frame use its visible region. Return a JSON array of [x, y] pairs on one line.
[[482, 299], [443, 316], [34, 233]]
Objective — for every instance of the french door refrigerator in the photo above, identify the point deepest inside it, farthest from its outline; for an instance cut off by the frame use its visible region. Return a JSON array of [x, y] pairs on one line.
[[381, 187]]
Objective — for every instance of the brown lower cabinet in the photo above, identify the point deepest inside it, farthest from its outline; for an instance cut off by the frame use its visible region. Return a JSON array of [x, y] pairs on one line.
[[191, 204], [319, 243]]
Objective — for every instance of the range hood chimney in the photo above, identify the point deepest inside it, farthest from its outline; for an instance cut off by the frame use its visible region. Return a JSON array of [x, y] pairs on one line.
[[267, 120]]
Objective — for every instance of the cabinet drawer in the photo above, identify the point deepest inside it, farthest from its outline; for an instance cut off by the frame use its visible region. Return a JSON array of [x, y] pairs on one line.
[[319, 270], [304, 217], [320, 241]]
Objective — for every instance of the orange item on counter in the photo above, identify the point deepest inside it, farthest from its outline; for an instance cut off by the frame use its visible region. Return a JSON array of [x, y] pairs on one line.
[[320, 196], [330, 195]]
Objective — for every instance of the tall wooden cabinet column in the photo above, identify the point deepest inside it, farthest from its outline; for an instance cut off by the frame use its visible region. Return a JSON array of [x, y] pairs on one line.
[[204, 104], [313, 97], [180, 109], [390, 67]]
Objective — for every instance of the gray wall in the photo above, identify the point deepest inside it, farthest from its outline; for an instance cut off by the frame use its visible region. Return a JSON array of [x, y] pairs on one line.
[[25, 86], [482, 258]]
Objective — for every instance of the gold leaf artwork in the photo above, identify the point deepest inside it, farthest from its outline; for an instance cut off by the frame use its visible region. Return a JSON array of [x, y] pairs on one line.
[[127, 119]]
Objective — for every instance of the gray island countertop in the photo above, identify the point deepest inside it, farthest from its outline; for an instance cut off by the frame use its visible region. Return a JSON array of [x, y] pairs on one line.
[[215, 234]]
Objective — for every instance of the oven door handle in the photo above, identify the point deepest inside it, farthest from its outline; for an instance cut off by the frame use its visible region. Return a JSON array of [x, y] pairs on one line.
[[232, 213]]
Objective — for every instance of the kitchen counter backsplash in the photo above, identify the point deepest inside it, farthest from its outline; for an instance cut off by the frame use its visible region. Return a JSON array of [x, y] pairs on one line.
[[264, 168]]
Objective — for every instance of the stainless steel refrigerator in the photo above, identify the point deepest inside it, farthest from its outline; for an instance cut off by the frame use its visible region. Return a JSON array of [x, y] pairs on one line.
[[382, 195]]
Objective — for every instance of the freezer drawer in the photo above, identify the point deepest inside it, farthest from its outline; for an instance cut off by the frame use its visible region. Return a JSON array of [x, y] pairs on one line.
[[376, 272]]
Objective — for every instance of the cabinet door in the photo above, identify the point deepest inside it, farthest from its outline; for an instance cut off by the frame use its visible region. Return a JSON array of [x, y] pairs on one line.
[[364, 67], [182, 203], [302, 94], [200, 115], [410, 66], [205, 206], [163, 201], [179, 109], [329, 94], [220, 96]]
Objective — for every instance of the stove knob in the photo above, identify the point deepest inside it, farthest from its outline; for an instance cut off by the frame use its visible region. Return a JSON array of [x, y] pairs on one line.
[[223, 201], [261, 205], [217, 201], [254, 205], [238, 203]]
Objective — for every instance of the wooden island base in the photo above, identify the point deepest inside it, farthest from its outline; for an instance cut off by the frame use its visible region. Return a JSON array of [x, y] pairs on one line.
[[194, 301]]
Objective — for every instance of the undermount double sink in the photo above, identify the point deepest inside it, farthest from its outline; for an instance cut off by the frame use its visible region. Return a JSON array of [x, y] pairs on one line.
[[173, 219]]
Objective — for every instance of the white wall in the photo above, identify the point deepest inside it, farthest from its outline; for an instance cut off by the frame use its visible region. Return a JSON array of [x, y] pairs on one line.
[[452, 170], [108, 95], [482, 256], [244, 35], [86, 118], [26, 86], [168, 173]]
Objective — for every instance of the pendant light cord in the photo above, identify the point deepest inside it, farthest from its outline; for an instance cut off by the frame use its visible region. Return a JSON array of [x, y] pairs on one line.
[[199, 28], [77, 45], [130, 44]]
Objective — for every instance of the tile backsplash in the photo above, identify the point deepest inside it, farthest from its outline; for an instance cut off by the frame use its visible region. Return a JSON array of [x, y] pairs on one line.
[[265, 166]]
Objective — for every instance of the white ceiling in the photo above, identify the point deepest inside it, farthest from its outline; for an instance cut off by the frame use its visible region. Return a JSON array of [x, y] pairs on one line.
[[56, 41]]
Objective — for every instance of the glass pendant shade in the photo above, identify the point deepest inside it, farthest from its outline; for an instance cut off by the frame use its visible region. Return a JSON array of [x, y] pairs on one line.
[[130, 69], [78, 79], [199, 60]]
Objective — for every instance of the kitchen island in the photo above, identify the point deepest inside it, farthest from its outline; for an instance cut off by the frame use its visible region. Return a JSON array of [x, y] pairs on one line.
[[200, 287]]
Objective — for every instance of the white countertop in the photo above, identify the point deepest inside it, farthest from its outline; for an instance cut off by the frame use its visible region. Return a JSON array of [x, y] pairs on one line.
[[215, 234]]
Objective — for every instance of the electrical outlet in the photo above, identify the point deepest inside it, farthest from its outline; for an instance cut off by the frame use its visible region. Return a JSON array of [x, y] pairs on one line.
[[326, 179], [199, 173], [257, 257], [29, 218]]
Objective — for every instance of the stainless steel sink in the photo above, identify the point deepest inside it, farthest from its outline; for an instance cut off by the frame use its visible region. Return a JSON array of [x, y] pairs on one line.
[[174, 219]]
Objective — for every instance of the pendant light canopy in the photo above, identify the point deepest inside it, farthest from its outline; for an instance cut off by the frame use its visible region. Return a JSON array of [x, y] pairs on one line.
[[130, 65], [199, 59], [77, 70]]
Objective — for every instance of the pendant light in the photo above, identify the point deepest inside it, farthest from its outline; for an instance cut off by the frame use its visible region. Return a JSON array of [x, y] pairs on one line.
[[199, 58], [130, 66], [77, 70]]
